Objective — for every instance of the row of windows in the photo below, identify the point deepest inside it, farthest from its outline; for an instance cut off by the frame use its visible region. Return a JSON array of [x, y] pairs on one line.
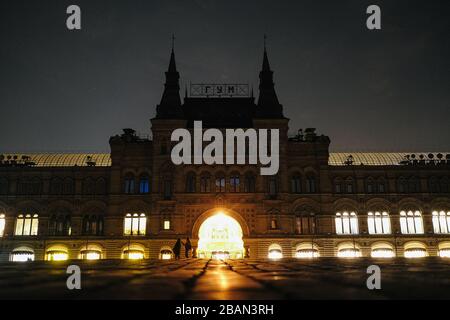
[[135, 224], [58, 186]]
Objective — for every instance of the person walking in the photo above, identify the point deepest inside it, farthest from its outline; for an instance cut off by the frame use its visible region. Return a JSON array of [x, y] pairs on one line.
[[187, 247], [177, 249]]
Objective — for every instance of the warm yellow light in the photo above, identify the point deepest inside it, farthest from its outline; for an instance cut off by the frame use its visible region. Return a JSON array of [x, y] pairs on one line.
[[135, 255], [415, 253], [220, 236], [349, 253], [166, 256], [57, 256], [444, 253], [92, 255], [275, 254], [307, 254], [382, 253]]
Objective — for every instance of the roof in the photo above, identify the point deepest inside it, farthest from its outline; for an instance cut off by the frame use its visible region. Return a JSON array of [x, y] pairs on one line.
[[375, 158], [104, 159]]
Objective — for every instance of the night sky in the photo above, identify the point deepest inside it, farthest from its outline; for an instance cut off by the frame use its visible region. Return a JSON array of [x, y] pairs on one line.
[[387, 90]]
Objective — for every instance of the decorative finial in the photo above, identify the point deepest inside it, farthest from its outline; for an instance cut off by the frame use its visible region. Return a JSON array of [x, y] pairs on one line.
[[173, 41]]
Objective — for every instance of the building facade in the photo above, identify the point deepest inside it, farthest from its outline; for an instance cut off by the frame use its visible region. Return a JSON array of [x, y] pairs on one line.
[[134, 203]]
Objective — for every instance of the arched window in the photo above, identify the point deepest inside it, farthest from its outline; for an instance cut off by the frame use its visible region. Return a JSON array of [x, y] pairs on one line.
[[100, 186], [22, 254], [441, 222], [68, 186], [234, 183], [91, 252], [56, 186], [220, 183], [272, 186], [382, 250], [311, 186], [129, 183], [190, 182], [349, 185], [93, 225], [348, 250], [250, 183], [2, 224], [275, 251], [167, 188], [59, 225], [402, 185], [346, 223], [165, 253], [370, 185], [433, 185], [444, 249], [444, 185], [306, 250], [413, 185], [381, 185], [411, 222], [57, 253], [29, 186], [379, 222], [27, 225], [296, 184], [205, 184], [306, 223], [4, 186], [88, 186], [338, 185], [135, 224], [415, 249], [144, 184], [133, 252]]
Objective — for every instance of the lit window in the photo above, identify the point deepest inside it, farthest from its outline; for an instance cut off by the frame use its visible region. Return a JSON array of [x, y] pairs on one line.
[[441, 222], [379, 223], [166, 224], [26, 225], [57, 255], [2, 224], [444, 253], [133, 254], [273, 224], [166, 254], [234, 184], [415, 253], [135, 224], [307, 251], [411, 222], [144, 184], [22, 254], [275, 252], [349, 253], [220, 184], [382, 252], [346, 223]]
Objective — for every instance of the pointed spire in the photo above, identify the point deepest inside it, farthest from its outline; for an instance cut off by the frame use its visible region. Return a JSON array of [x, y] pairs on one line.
[[268, 105], [170, 105]]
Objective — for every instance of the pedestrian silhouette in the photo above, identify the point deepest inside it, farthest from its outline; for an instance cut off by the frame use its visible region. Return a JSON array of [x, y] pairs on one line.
[[177, 249], [187, 247]]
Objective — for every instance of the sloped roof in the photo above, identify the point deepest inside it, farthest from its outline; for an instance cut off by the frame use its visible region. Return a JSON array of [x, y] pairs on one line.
[[104, 159]]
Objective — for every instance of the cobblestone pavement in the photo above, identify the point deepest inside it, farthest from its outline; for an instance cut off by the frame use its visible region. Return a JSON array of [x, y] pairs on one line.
[[233, 279]]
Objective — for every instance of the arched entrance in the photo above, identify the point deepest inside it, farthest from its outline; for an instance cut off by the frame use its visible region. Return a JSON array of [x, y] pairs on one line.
[[220, 237]]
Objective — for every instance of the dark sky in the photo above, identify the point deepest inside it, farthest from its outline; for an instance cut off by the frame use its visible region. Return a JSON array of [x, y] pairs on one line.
[[385, 90]]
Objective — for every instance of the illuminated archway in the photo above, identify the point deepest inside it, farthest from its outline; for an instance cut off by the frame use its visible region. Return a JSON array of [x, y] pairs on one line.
[[220, 236]]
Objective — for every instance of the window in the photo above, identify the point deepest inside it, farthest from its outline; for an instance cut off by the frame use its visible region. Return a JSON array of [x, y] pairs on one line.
[[346, 223], [348, 250], [444, 185], [234, 183], [250, 183], [2, 224], [100, 186], [306, 224], [91, 252], [379, 223], [413, 185], [433, 185], [59, 225], [310, 184], [129, 184], [144, 184], [349, 185], [441, 222], [26, 225], [167, 188], [411, 222], [190, 183], [275, 252], [382, 252], [166, 254], [133, 252], [57, 254], [4, 186], [88, 186], [205, 184], [68, 186], [381, 186], [92, 225], [273, 224], [296, 184], [370, 186], [29, 186], [166, 224], [135, 224], [56, 186], [22, 254], [306, 250], [220, 184], [402, 185], [415, 249], [273, 188]]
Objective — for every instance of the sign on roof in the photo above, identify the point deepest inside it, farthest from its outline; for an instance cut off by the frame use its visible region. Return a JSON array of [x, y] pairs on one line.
[[219, 90]]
